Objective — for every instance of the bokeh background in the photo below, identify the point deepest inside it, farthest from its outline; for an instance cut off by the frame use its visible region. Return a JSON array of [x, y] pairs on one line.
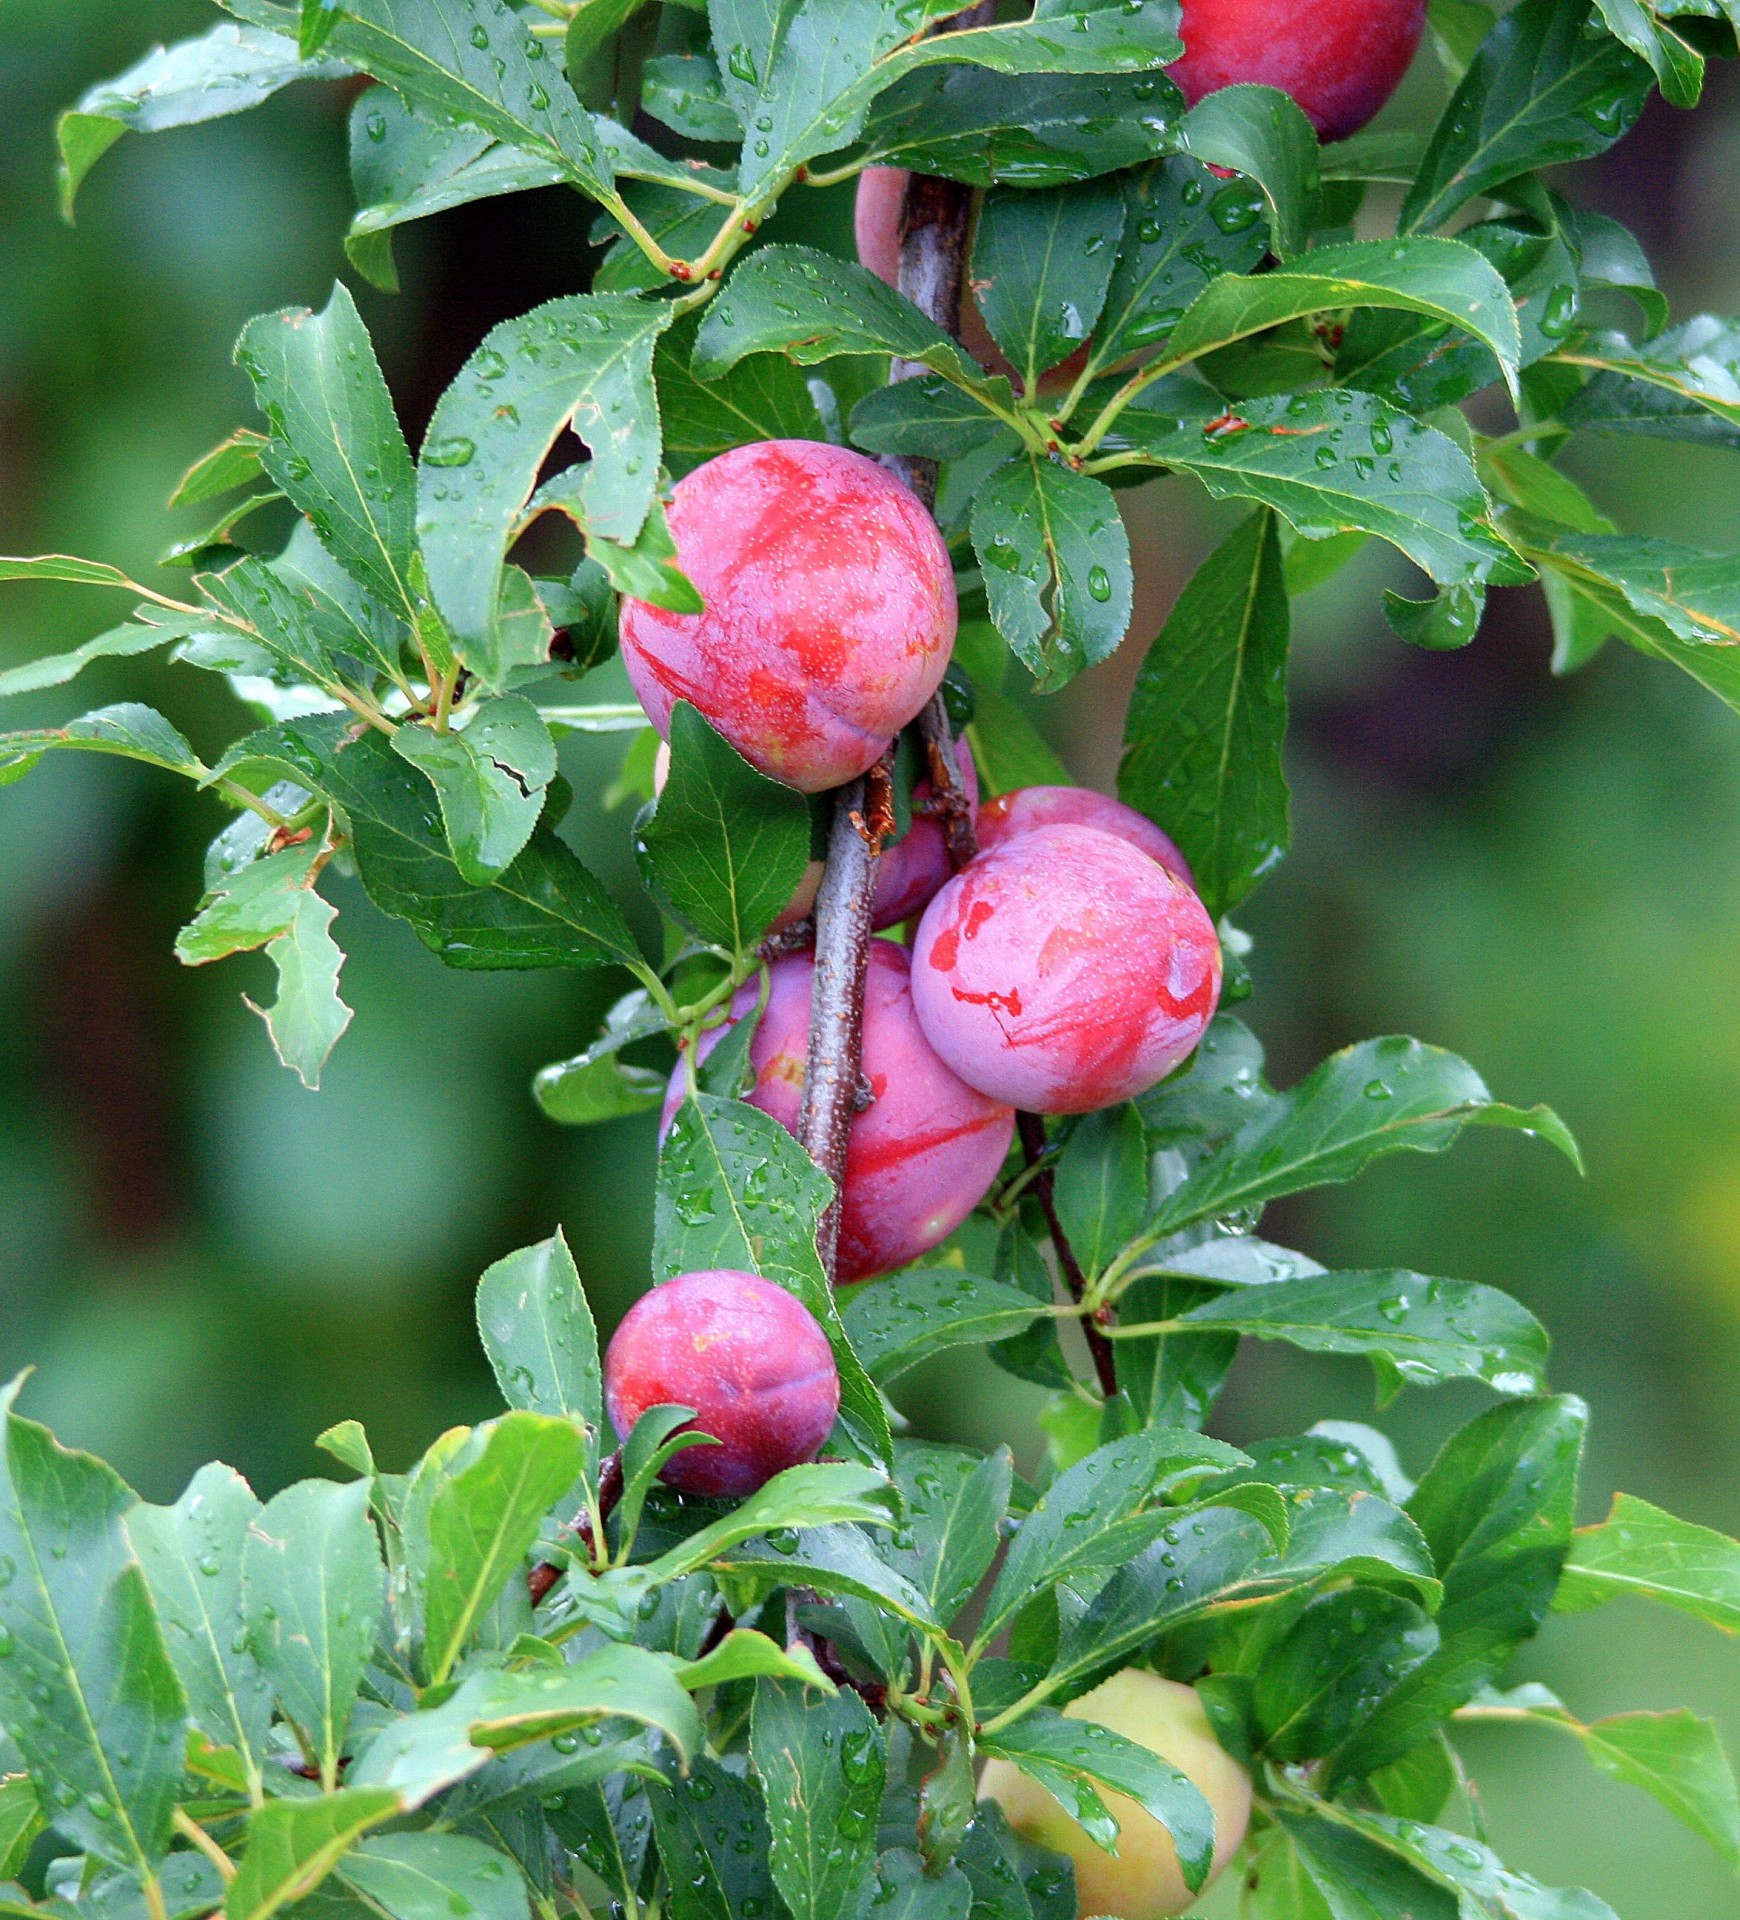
[[203, 1259]]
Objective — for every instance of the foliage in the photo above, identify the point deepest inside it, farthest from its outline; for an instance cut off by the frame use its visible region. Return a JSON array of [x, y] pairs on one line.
[[487, 1684]]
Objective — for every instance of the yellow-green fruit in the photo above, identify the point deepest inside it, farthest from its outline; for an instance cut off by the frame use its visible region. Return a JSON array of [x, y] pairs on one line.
[[1142, 1881]]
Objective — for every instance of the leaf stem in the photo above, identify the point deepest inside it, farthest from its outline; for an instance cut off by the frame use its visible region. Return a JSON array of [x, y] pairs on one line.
[[191, 1830], [1033, 1144], [152, 1888]]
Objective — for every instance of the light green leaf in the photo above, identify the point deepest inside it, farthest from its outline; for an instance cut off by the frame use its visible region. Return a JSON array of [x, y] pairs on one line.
[[1683, 385], [127, 729], [435, 1876], [308, 1018], [1642, 1550], [56, 669], [539, 1334], [489, 778], [830, 1494], [894, 1324], [294, 1844], [254, 904], [746, 1655]]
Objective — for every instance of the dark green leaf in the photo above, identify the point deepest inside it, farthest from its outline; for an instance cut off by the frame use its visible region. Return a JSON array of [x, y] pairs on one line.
[[954, 1505], [335, 446], [1102, 1185], [1683, 385], [1332, 1666], [725, 847], [905, 1890], [822, 1766], [1009, 751], [87, 1689], [930, 416], [595, 1084], [703, 1823], [1642, 1550], [684, 90], [1354, 1878], [1056, 561], [312, 1585], [768, 399], [1474, 1874], [1040, 268], [1261, 133], [1678, 66], [830, 1497], [1346, 1530], [583, 360], [233, 462], [1541, 91], [192, 1557], [489, 779], [435, 1876], [1173, 1379], [895, 1323], [1202, 745]]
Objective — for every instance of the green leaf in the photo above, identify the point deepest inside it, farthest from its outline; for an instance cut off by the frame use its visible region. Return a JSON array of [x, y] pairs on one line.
[[684, 90], [1387, 474], [1056, 562], [1346, 1530], [1429, 1330], [475, 61], [128, 729], [249, 906], [725, 846], [56, 669], [312, 1585], [1172, 1379], [1351, 1877], [1062, 1754], [896, 1323], [954, 1503], [1376, 1098], [1496, 1508], [830, 1495], [66, 567], [811, 307], [87, 1689], [736, 1190], [928, 416], [483, 1522], [822, 1766], [294, 1844], [335, 446], [21, 1820], [1041, 264], [545, 910], [1541, 91], [1474, 1874], [1683, 385], [1443, 279], [227, 70], [644, 570], [713, 1843], [489, 778], [538, 1331], [1331, 1667], [192, 1557], [1008, 750], [435, 1876], [232, 463], [1263, 134], [595, 1084], [584, 360], [308, 1018], [1102, 1185], [907, 1890], [1678, 66], [768, 399], [1642, 1550], [1182, 229], [1034, 130], [1202, 745]]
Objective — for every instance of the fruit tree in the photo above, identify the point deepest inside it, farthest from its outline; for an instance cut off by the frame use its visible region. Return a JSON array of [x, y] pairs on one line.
[[945, 1047]]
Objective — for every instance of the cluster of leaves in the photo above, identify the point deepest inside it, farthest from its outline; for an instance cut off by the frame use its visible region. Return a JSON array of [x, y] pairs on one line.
[[491, 1684]]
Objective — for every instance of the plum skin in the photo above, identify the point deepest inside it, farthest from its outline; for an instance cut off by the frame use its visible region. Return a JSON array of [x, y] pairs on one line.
[[911, 871], [750, 1359], [1142, 1881], [830, 610], [1339, 59], [1065, 971], [921, 1156], [1029, 807]]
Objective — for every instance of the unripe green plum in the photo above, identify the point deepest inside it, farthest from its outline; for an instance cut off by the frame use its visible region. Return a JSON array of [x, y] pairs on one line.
[[1142, 1881]]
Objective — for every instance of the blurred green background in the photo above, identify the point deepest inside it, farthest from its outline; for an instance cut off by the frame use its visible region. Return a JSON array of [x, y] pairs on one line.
[[202, 1259]]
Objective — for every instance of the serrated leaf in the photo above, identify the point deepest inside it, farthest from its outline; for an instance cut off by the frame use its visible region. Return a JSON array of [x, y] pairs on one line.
[[1347, 1530], [484, 1521], [767, 399], [1040, 267], [1202, 745], [489, 778], [312, 1585], [954, 1503], [714, 1844], [1682, 385], [227, 70], [1333, 1665], [1642, 1550], [294, 1844], [192, 1557], [822, 1766], [725, 846], [127, 729], [56, 669], [1056, 562], [232, 463], [1261, 133], [928, 416], [334, 445], [435, 1876], [1541, 91], [829, 1494], [584, 360], [87, 1690], [1060, 1753], [248, 907], [896, 1323], [308, 1018], [538, 1331]]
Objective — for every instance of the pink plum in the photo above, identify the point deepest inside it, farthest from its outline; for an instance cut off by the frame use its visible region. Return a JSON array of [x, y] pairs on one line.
[[911, 871], [921, 1156], [830, 610], [1064, 971], [750, 1359], [1340, 59], [1029, 807]]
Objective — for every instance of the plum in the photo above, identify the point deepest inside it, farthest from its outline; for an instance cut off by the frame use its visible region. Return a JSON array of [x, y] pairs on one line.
[[1029, 807], [1064, 971], [1142, 1880], [750, 1359], [921, 1156], [830, 610], [1340, 59], [912, 870]]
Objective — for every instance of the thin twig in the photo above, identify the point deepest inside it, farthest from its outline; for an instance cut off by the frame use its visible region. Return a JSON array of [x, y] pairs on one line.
[[1033, 1145], [190, 1829], [543, 1577]]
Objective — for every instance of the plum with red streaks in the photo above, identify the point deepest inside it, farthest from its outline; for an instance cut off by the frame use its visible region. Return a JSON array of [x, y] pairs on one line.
[[1065, 971], [750, 1359], [830, 610], [1030, 807], [1340, 59], [921, 1156]]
